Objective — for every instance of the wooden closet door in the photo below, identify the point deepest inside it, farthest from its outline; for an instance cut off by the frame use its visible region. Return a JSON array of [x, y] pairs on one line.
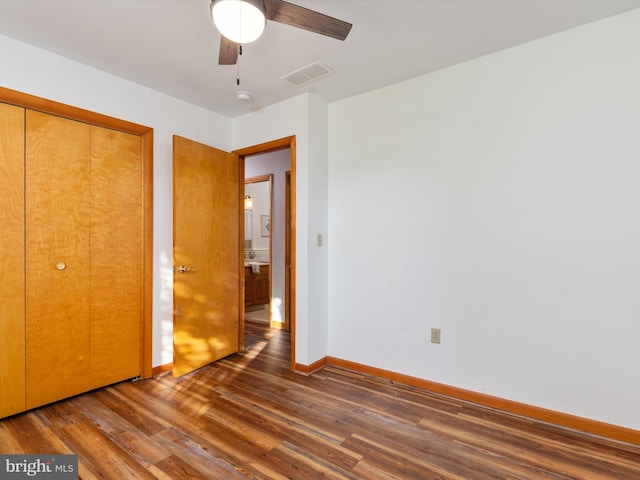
[[12, 368], [57, 257], [116, 256]]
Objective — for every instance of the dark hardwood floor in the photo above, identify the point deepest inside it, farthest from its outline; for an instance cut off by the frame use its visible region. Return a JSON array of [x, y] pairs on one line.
[[248, 416]]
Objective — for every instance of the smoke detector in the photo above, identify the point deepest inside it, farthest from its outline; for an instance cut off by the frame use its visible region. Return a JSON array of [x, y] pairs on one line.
[[243, 96]]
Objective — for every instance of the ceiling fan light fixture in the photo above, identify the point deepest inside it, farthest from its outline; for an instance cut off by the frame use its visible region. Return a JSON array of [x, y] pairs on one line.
[[241, 21]]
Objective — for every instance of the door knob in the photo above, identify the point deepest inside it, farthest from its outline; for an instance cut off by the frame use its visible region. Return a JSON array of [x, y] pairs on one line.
[[183, 269], [61, 266]]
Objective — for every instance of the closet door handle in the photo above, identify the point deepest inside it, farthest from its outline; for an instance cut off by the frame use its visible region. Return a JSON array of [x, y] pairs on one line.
[[61, 266]]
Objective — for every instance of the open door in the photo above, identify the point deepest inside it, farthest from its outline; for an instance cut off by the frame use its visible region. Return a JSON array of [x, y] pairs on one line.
[[206, 242]]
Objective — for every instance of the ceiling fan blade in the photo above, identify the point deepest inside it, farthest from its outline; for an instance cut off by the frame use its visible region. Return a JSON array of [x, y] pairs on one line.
[[300, 17], [228, 52]]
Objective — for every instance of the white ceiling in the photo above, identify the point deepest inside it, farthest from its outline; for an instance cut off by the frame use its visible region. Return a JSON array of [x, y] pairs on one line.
[[172, 46]]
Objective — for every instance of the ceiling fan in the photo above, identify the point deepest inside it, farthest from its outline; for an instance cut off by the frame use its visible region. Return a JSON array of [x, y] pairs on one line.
[[234, 19]]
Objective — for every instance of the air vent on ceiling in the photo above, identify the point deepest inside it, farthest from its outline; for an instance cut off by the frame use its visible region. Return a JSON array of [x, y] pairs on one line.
[[307, 74]]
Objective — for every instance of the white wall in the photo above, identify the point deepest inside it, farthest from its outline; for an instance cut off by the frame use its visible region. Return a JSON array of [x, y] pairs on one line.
[[497, 200], [318, 302], [37, 72]]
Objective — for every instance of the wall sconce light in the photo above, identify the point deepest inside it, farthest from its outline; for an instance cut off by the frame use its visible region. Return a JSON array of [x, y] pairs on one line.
[[248, 202]]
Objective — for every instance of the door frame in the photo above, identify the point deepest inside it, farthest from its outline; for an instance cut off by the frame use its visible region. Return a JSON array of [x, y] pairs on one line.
[[290, 291], [32, 102]]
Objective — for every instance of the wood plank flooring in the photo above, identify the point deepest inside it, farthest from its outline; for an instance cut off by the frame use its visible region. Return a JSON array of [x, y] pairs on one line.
[[248, 416]]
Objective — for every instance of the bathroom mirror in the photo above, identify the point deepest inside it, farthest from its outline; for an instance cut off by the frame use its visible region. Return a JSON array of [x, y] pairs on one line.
[[257, 198]]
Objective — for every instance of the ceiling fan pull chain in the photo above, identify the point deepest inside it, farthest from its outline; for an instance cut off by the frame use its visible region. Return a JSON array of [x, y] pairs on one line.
[[238, 64]]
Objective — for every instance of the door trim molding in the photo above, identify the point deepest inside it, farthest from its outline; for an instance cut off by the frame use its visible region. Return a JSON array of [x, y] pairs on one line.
[[273, 146], [32, 102]]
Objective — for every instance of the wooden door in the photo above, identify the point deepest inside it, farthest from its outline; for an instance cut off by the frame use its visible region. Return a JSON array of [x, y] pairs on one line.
[[57, 257], [207, 226], [12, 362], [84, 248], [116, 271]]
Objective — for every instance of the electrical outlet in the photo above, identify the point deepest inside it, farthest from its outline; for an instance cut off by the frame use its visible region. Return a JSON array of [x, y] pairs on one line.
[[435, 335]]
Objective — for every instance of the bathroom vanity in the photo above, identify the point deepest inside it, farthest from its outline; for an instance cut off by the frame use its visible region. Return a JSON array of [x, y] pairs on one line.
[[256, 285]]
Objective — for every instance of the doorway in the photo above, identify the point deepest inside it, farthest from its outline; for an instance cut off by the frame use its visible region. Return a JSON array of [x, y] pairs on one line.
[[285, 312], [262, 231]]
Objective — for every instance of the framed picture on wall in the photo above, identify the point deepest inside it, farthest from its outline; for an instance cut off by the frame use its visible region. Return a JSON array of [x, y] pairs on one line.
[[265, 225]]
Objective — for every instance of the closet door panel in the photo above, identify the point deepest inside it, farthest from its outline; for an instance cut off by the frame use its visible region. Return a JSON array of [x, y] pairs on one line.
[[57, 258], [116, 256], [12, 365]]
